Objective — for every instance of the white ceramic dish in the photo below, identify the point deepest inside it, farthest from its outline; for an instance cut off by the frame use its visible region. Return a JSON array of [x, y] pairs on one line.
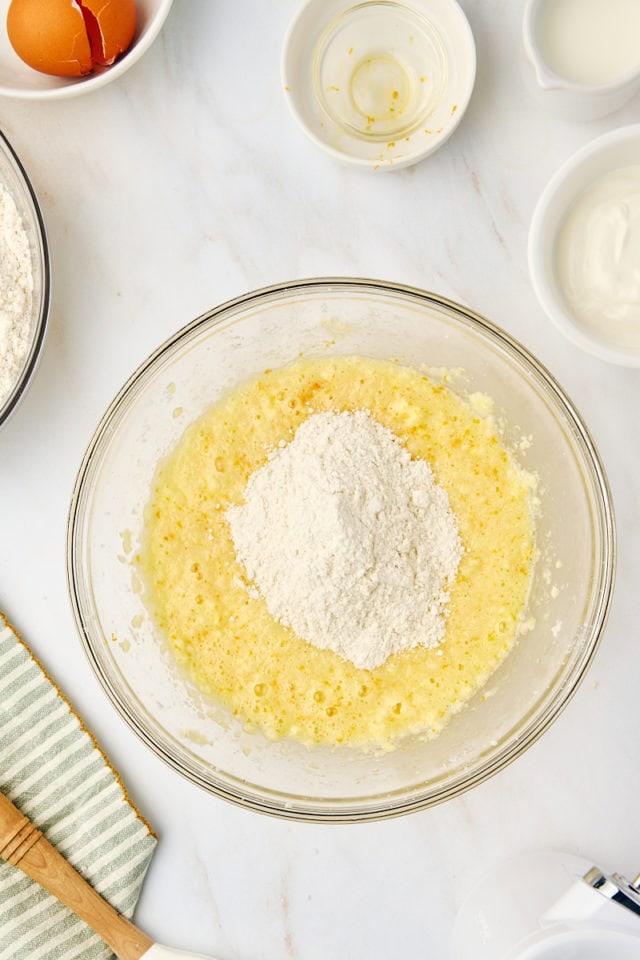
[[19, 80], [342, 62], [569, 100], [619, 148]]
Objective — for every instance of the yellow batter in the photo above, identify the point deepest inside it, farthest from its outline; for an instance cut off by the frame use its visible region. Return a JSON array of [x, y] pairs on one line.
[[228, 641]]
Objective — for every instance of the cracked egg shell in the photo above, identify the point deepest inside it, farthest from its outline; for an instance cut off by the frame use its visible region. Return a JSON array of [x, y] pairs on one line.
[[51, 36], [68, 38], [111, 25]]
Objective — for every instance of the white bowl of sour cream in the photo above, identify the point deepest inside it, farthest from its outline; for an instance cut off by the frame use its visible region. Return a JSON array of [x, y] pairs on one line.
[[584, 247]]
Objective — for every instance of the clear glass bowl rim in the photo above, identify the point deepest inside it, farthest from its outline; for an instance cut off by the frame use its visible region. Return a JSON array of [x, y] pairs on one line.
[[271, 802]]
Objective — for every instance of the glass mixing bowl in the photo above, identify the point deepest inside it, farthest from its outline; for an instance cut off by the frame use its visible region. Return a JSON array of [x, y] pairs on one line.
[[571, 586], [16, 182]]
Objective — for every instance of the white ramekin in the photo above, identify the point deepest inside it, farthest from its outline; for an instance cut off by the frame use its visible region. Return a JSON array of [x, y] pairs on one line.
[[298, 55], [619, 148]]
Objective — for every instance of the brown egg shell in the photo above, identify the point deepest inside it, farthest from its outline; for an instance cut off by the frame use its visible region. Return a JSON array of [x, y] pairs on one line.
[[50, 36], [111, 26], [69, 38]]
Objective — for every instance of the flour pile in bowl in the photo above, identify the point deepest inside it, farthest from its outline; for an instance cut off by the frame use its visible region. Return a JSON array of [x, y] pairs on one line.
[[349, 540], [16, 295], [357, 546]]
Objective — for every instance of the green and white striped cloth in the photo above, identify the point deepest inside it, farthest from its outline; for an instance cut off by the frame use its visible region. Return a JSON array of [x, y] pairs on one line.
[[52, 769]]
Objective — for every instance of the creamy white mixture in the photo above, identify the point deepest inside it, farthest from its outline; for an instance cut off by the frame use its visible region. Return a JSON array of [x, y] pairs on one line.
[[590, 41], [16, 293], [598, 256], [349, 539]]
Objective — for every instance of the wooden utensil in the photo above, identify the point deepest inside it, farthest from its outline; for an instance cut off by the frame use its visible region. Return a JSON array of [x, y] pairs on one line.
[[22, 844]]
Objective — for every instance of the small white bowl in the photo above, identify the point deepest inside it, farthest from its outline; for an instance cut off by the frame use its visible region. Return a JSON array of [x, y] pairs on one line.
[[19, 80], [619, 148], [379, 84], [565, 98]]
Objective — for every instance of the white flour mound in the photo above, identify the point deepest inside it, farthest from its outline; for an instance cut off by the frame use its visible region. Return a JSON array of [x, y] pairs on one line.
[[16, 292], [349, 540]]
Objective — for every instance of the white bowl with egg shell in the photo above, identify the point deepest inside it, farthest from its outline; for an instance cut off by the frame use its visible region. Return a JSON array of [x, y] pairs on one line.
[[615, 150], [379, 85], [19, 80], [583, 55]]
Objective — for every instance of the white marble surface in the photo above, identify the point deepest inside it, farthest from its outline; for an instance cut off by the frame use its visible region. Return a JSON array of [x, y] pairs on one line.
[[182, 184]]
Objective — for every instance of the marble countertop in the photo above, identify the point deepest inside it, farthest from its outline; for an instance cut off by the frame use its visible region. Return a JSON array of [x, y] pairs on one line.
[[182, 184]]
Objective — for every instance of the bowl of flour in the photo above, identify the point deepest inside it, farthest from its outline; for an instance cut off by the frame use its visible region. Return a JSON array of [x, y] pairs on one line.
[[25, 287]]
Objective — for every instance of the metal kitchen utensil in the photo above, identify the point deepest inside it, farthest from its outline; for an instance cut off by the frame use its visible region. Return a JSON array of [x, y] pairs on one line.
[[23, 845]]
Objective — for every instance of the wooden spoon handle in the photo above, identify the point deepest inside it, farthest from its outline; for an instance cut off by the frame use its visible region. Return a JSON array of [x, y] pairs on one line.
[[22, 845]]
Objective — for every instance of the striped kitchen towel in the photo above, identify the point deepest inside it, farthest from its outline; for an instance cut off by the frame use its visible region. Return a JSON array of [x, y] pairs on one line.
[[53, 770]]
